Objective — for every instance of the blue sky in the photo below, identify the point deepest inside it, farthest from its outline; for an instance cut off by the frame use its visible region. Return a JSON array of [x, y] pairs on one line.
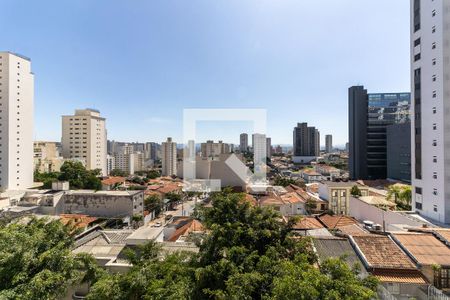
[[142, 62]]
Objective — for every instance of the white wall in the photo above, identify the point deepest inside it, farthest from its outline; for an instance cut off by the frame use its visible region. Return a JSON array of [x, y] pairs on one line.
[[363, 211]]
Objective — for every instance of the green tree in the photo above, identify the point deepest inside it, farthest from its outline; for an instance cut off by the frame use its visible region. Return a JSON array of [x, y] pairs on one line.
[[355, 191], [79, 177], [401, 194], [36, 261], [118, 172], [46, 178], [153, 203]]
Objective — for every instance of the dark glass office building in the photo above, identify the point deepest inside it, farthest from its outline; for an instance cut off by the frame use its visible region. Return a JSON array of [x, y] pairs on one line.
[[369, 116]]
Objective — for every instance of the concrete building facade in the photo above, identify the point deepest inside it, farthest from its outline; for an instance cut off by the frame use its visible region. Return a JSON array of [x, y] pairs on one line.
[[430, 134], [16, 122], [169, 157], [369, 115], [46, 157], [84, 138], [243, 144], [328, 143], [306, 142], [398, 151]]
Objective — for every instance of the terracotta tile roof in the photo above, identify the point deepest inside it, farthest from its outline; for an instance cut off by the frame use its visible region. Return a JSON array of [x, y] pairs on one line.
[[191, 226], [168, 188], [80, 221], [425, 248], [353, 229], [382, 252], [444, 233], [399, 276], [270, 200], [292, 197], [311, 172], [307, 223], [113, 180], [333, 222]]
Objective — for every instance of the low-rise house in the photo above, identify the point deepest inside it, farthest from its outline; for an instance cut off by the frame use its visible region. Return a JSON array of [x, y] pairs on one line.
[[384, 259], [287, 204], [336, 221], [328, 172], [79, 221], [431, 255], [310, 176], [338, 194], [312, 202], [306, 225], [113, 183], [335, 247]]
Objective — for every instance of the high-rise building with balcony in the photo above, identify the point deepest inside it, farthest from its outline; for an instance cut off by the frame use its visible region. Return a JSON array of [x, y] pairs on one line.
[[328, 143], [169, 157], [16, 122], [84, 139], [430, 134], [243, 145]]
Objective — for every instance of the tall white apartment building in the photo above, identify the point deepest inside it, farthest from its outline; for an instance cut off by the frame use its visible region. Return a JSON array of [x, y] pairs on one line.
[[16, 122], [169, 157], [84, 138], [243, 142], [259, 150], [430, 134], [328, 143]]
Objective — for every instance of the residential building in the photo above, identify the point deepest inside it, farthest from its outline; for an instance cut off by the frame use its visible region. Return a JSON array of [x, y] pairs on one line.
[[169, 157], [311, 176], [46, 157], [328, 143], [428, 251], [110, 163], [128, 160], [398, 151], [338, 195], [306, 141], [243, 145], [430, 134], [16, 122], [269, 147], [211, 149], [328, 172], [152, 151], [259, 148], [391, 266], [369, 115], [84, 138]]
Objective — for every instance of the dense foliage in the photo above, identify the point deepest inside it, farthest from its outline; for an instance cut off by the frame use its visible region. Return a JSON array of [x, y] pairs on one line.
[[249, 253], [75, 173], [401, 194], [36, 261], [285, 181]]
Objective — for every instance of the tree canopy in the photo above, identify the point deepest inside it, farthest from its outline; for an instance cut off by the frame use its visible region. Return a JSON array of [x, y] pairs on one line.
[[75, 173], [36, 261], [248, 253]]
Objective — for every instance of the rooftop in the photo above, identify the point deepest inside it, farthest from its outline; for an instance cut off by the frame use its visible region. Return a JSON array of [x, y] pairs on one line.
[[337, 221], [307, 223], [425, 248], [380, 251]]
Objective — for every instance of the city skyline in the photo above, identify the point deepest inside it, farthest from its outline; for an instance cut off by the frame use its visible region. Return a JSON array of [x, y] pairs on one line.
[[252, 57]]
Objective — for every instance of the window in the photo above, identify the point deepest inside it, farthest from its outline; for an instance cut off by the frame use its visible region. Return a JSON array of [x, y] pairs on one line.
[[433, 29], [435, 206], [434, 110], [418, 205], [434, 143], [435, 193], [434, 94], [433, 46], [434, 126], [435, 159], [434, 175], [418, 190], [433, 78], [433, 13], [417, 57], [433, 61], [417, 42]]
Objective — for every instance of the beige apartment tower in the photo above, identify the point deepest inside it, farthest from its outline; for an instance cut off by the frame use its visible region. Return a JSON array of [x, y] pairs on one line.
[[16, 122], [169, 157], [84, 138]]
